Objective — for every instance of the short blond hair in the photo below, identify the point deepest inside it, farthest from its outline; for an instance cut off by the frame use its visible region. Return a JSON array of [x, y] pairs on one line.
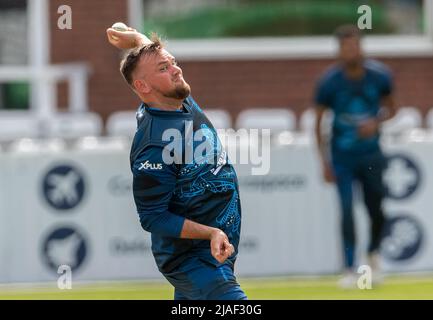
[[130, 61]]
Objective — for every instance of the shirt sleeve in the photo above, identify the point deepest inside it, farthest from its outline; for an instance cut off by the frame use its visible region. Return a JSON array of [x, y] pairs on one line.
[[322, 95], [387, 84], [153, 186]]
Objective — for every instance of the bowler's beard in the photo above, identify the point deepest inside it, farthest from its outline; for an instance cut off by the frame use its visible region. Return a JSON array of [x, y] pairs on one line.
[[180, 92]]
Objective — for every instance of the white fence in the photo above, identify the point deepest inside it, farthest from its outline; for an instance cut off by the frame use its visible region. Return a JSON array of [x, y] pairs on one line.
[[74, 206]]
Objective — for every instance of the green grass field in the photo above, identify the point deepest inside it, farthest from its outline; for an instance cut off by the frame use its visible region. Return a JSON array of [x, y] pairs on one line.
[[323, 288]]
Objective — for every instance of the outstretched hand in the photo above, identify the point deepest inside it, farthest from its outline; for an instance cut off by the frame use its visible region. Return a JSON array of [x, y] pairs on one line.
[[328, 173], [126, 39], [220, 246]]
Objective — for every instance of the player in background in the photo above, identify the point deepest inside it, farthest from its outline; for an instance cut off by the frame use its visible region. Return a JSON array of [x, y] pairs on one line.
[[359, 93], [191, 208]]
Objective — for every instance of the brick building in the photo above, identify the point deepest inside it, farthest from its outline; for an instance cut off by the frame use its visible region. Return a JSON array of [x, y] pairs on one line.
[[223, 80]]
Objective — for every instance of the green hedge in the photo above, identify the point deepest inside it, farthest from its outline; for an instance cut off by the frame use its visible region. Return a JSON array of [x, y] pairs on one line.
[[16, 95], [274, 18]]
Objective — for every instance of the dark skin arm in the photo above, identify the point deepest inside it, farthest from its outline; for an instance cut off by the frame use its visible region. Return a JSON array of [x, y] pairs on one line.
[[328, 174], [371, 127]]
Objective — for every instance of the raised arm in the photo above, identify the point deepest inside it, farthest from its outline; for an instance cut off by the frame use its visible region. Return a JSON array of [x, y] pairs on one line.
[[388, 109], [126, 39]]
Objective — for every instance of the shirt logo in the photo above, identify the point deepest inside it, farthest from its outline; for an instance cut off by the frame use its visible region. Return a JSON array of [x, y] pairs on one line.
[[152, 166]]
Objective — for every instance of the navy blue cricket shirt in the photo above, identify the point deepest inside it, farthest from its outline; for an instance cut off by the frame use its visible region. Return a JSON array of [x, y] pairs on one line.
[[202, 188], [352, 102]]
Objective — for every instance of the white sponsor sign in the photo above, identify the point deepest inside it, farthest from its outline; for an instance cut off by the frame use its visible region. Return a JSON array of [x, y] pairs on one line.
[[76, 208]]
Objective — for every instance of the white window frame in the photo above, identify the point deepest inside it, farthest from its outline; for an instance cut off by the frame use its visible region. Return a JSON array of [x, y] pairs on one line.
[[42, 75], [269, 48]]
